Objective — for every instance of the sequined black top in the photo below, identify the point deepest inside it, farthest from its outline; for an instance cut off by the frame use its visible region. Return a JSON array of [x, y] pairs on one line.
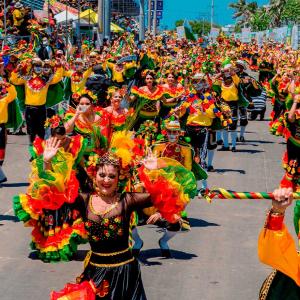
[[110, 233]]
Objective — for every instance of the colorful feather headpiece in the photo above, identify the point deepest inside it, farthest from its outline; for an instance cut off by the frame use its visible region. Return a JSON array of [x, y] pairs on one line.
[[85, 91], [54, 122]]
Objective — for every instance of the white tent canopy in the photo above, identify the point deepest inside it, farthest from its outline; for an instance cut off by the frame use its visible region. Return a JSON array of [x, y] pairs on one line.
[[63, 16]]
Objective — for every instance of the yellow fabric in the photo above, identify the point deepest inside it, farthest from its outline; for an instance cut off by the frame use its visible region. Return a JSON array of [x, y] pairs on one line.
[[186, 153], [277, 249], [18, 17], [231, 93], [78, 86], [92, 17], [32, 97], [202, 119], [117, 76], [11, 95]]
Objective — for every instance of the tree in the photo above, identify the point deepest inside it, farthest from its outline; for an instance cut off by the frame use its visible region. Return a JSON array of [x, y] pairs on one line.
[[275, 10], [179, 23], [261, 20], [291, 11], [244, 11]]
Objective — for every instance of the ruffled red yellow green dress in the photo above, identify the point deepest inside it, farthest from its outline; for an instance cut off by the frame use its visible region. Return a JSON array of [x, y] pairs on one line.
[[49, 206], [170, 92], [97, 133], [110, 269], [146, 104]]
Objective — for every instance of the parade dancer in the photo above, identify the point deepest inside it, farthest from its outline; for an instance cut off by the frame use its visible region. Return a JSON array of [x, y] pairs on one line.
[[230, 94], [36, 90], [7, 95], [110, 270], [182, 152]]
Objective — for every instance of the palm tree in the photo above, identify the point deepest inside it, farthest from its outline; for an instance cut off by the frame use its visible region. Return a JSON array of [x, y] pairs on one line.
[[275, 9], [244, 11]]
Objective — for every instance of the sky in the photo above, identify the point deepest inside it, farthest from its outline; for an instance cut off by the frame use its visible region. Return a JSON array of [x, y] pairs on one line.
[[198, 9]]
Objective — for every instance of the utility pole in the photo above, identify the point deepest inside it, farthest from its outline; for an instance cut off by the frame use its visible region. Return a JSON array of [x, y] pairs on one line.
[[149, 16], [100, 22], [142, 20], [78, 24], [154, 17], [106, 15], [212, 14]]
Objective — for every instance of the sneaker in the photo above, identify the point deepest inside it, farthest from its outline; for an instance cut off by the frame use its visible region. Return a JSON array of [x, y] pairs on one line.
[[242, 139], [237, 139], [233, 149], [224, 148], [210, 169], [219, 142]]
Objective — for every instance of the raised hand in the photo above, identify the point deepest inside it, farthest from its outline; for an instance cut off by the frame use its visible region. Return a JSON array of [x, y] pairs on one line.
[[51, 148], [150, 161]]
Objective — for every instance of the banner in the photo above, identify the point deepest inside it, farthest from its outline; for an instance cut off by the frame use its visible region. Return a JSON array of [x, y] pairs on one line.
[[246, 35], [58, 7]]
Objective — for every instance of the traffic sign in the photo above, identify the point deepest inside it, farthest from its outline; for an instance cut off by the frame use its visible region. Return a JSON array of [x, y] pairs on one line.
[[159, 5]]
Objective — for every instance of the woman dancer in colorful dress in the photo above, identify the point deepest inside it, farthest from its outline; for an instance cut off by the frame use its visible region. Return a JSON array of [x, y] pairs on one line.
[[57, 224], [111, 272]]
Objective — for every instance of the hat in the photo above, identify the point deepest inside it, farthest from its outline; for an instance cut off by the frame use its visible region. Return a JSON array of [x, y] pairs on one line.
[[18, 5], [173, 125], [241, 63], [37, 61]]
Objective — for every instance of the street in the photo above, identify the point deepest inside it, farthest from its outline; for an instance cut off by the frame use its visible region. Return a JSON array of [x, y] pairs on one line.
[[216, 260]]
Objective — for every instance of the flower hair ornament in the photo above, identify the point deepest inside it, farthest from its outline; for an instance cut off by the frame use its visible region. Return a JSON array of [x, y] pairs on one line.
[[54, 122], [112, 89], [124, 152], [85, 91]]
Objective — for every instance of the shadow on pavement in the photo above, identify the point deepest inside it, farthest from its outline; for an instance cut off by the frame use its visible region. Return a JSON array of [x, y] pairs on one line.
[[230, 170], [201, 223], [249, 151], [15, 184], [260, 142], [156, 253], [9, 218]]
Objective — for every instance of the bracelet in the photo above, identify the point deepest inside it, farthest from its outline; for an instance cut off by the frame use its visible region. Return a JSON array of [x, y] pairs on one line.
[[274, 220]]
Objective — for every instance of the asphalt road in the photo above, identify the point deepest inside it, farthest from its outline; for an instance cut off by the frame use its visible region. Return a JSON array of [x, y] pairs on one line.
[[217, 260]]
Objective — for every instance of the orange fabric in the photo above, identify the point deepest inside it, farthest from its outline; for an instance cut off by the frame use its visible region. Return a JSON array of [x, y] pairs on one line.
[[278, 250]]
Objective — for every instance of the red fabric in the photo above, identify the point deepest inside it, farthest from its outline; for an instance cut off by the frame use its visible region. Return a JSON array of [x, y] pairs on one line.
[[2, 154], [73, 291], [274, 222], [164, 196], [38, 145]]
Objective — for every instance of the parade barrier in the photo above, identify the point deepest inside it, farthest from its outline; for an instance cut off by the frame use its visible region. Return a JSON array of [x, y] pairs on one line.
[[226, 194]]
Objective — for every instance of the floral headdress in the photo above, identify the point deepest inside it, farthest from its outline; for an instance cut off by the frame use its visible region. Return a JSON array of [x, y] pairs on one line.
[[124, 151], [85, 91], [54, 122], [112, 89]]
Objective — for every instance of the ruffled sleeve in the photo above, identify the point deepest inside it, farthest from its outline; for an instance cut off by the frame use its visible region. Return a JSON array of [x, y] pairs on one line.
[[170, 188], [277, 249]]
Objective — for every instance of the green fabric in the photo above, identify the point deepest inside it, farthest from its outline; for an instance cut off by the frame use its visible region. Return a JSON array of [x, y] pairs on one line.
[[297, 216], [21, 96], [81, 153], [67, 89], [64, 254], [55, 94], [243, 101], [147, 63], [15, 119], [19, 212], [199, 173], [283, 288], [185, 178]]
